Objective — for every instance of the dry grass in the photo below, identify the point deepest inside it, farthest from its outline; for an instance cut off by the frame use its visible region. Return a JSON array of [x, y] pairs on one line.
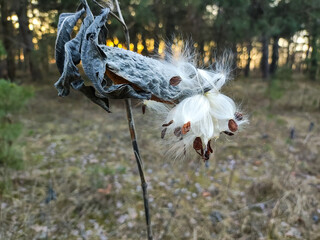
[[80, 179]]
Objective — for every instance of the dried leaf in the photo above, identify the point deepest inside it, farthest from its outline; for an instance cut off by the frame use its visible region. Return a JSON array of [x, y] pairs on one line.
[[206, 194], [105, 191], [67, 21], [257, 163]]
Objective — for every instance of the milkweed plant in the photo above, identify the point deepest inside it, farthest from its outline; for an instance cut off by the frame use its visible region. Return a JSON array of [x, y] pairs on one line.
[[187, 98]]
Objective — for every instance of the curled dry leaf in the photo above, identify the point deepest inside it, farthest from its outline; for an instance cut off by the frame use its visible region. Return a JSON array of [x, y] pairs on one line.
[[105, 191], [206, 194]]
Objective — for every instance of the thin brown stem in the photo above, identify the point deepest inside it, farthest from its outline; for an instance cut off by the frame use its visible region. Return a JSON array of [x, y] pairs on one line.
[[135, 146], [120, 20], [144, 184], [125, 28]]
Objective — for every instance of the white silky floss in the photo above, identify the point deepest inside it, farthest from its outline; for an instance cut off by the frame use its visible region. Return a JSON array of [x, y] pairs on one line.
[[204, 116]]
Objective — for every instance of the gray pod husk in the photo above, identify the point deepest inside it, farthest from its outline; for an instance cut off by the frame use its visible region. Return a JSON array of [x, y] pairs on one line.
[[149, 75]]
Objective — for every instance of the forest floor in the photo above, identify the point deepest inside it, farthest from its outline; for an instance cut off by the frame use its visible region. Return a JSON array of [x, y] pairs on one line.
[[80, 179]]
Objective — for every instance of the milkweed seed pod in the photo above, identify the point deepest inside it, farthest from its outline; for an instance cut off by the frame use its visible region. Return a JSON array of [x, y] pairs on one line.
[[186, 97]]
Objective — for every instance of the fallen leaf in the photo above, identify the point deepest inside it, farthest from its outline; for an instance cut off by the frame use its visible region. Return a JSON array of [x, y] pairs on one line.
[[206, 194], [105, 191]]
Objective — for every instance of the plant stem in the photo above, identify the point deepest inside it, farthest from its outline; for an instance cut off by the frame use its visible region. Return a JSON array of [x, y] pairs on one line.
[[135, 146], [144, 184]]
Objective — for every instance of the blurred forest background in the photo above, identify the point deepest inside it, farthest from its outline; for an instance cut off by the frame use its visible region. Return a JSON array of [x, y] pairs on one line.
[[263, 34], [67, 170]]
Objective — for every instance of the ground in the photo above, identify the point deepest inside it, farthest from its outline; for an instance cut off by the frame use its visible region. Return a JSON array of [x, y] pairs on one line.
[[80, 179]]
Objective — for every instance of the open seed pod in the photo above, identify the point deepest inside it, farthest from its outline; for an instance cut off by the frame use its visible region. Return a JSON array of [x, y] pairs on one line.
[[189, 98]]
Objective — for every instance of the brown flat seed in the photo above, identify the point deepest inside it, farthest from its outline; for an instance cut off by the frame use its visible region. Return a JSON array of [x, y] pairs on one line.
[[197, 144], [144, 109], [206, 155], [200, 152], [239, 116], [228, 133], [207, 152], [174, 81], [233, 126], [186, 128], [209, 147], [163, 133], [177, 131], [167, 124]]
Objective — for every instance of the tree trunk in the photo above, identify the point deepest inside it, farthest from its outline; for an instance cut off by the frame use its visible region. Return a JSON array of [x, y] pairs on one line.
[[44, 53], [275, 55], [26, 34], [20, 63], [157, 10], [288, 52], [265, 57], [235, 56], [156, 45], [307, 56], [308, 50], [201, 53], [169, 34], [292, 57], [314, 59], [145, 48], [8, 35], [135, 43], [247, 68], [219, 33]]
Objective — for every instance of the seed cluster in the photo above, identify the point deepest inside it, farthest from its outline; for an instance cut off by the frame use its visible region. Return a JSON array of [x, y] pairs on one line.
[[204, 150]]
